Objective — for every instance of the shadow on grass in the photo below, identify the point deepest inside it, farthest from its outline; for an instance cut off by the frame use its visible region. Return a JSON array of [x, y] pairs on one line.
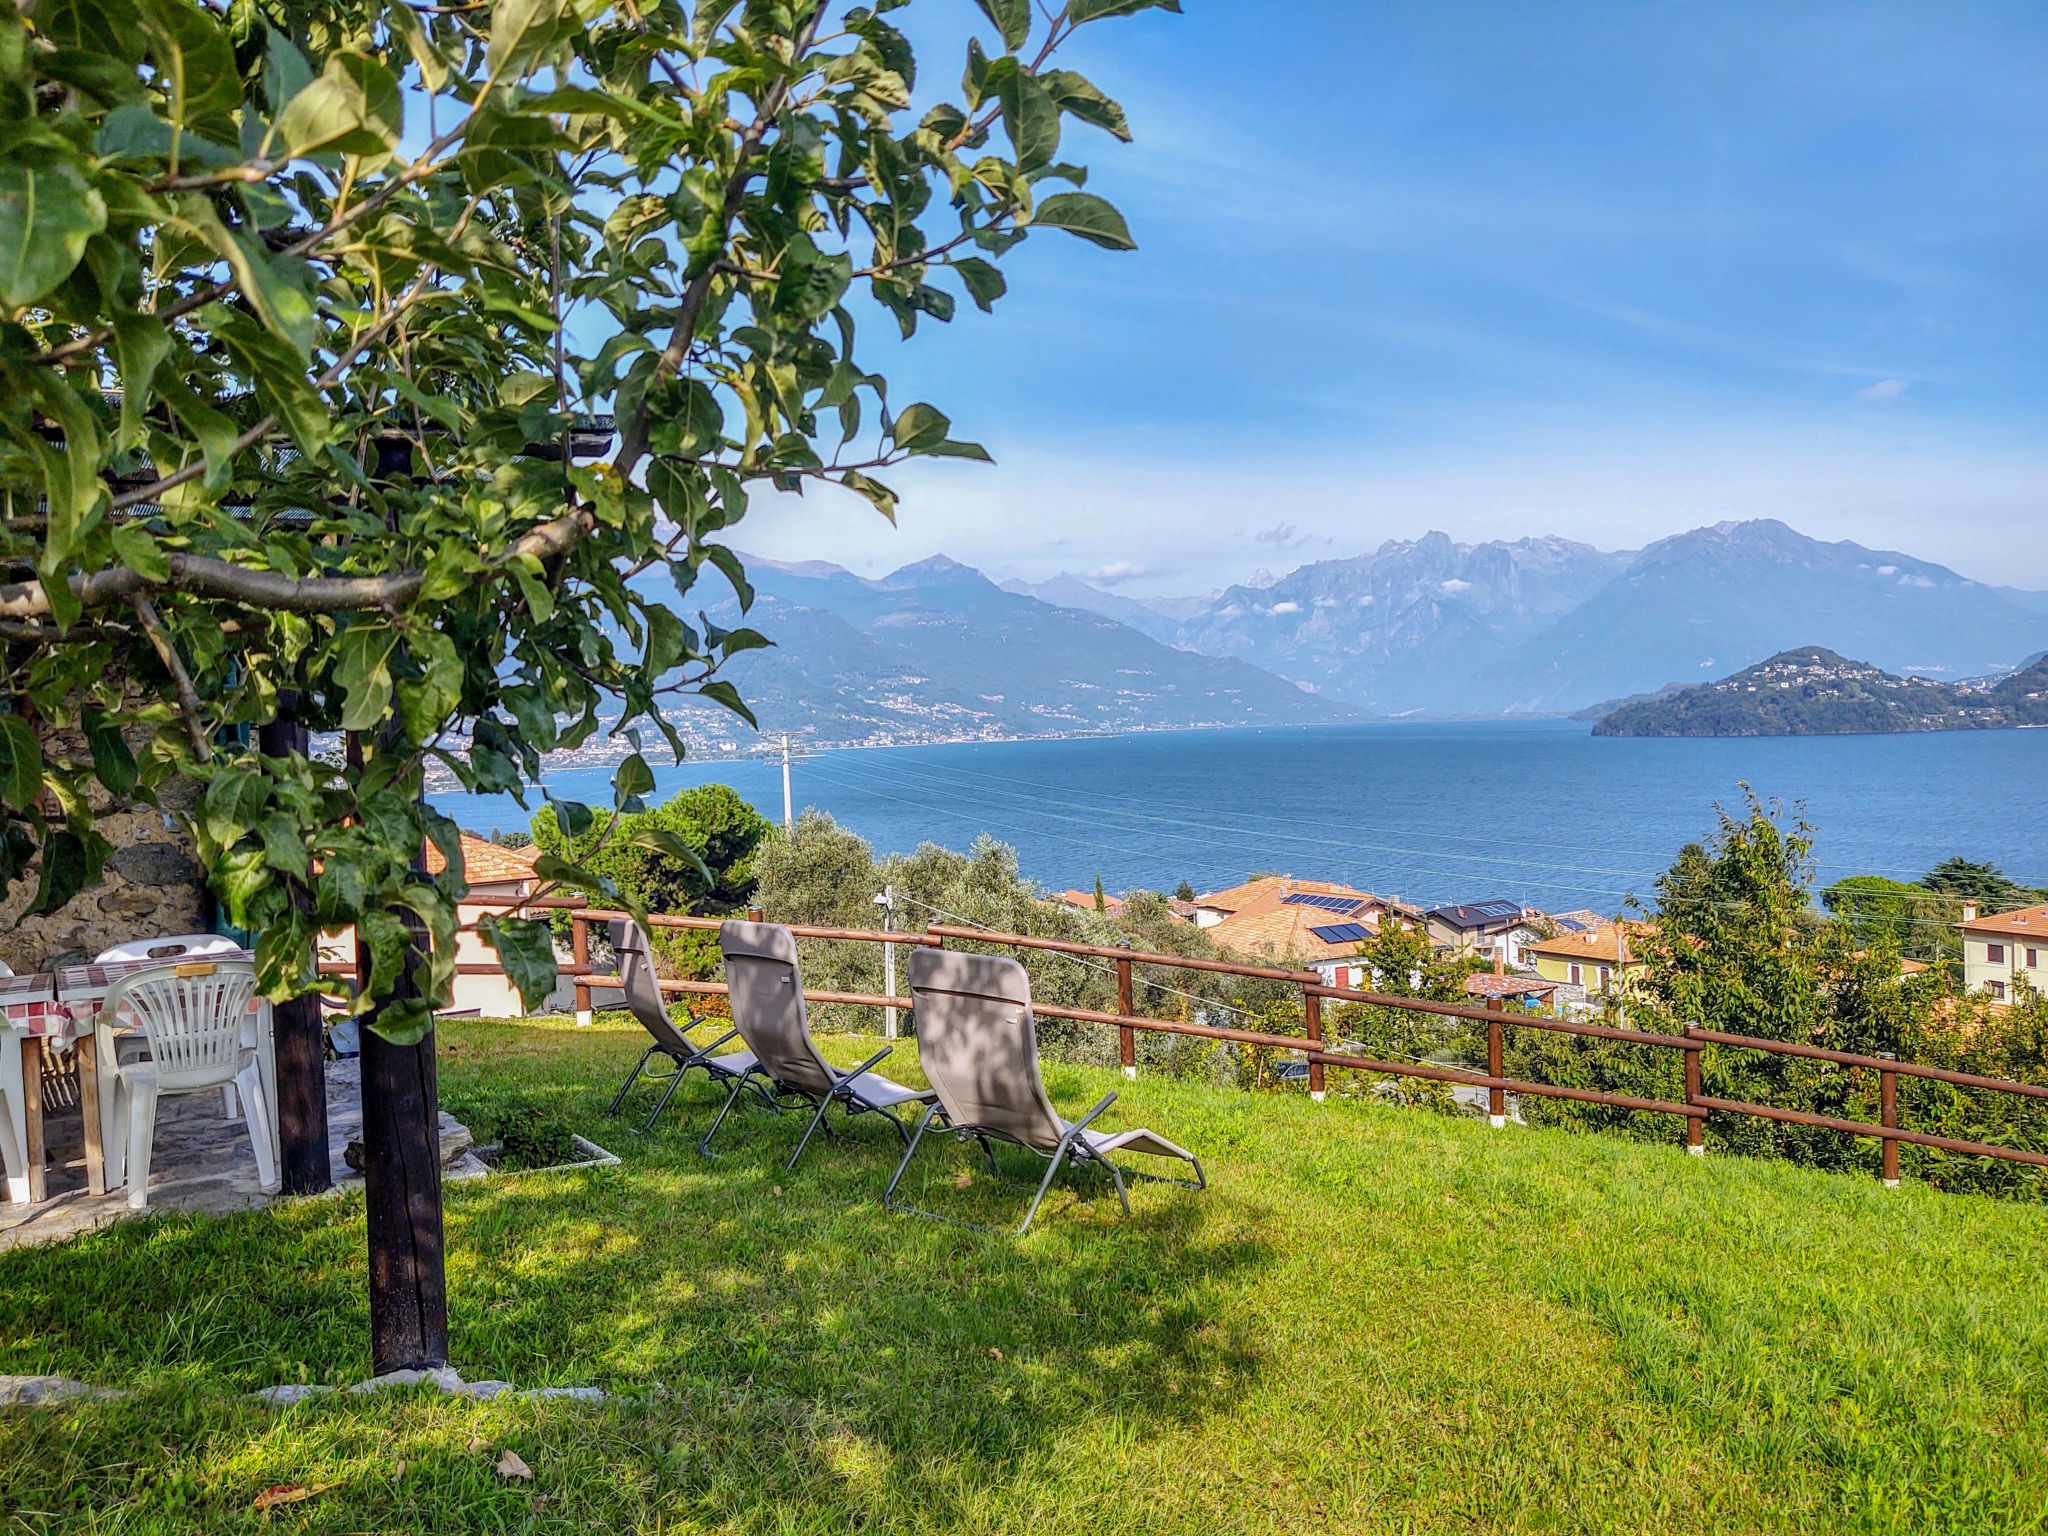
[[785, 1336]]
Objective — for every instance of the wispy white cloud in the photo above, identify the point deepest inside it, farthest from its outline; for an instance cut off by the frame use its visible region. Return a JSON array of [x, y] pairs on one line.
[[1884, 389], [1119, 571]]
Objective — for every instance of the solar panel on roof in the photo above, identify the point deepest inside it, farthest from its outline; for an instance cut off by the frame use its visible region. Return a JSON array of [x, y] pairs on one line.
[[1498, 909], [1341, 933], [1326, 903]]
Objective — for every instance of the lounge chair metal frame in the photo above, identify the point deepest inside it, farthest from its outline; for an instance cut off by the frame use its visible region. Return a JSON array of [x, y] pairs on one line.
[[643, 999], [979, 1046], [782, 1064]]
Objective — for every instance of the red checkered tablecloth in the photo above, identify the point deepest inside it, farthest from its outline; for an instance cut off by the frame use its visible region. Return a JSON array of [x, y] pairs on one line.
[[80, 987], [29, 1004]]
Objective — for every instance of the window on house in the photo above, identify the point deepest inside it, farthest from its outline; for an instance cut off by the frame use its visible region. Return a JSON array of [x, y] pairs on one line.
[[1994, 954], [1603, 978], [1995, 988], [2033, 958], [1578, 977]]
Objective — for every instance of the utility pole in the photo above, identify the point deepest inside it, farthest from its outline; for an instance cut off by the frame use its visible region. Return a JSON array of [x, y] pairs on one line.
[[787, 817], [887, 902]]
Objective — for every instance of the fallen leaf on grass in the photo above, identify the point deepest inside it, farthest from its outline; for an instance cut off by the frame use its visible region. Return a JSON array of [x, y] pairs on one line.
[[510, 1466], [996, 1355], [777, 1191], [288, 1493], [477, 1443], [397, 1471], [963, 1180]]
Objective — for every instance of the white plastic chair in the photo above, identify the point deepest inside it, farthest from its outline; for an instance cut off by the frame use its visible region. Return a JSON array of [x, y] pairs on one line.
[[193, 1014], [175, 946]]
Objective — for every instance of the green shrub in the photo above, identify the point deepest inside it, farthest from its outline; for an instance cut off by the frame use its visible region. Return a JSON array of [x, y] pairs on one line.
[[532, 1135]]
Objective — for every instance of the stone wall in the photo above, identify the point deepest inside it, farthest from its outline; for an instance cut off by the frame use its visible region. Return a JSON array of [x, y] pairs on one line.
[[153, 885]]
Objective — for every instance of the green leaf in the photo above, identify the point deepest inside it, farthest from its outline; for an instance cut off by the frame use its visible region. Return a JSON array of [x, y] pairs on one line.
[[141, 342], [685, 419], [526, 949], [1086, 215], [666, 640], [426, 702], [136, 548], [658, 840], [47, 213], [1077, 96], [279, 374], [1012, 19], [215, 432], [633, 779], [21, 764], [918, 427], [354, 108], [517, 25], [112, 763], [1031, 118], [880, 495], [723, 692], [572, 816], [363, 669], [984, 283], [71, 862]]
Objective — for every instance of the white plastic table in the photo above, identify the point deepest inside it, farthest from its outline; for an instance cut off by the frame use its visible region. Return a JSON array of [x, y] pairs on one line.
[[29, 1016]]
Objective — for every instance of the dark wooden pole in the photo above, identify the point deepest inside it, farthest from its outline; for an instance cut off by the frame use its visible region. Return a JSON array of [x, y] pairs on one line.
[[1695, 1124], [295, 1025], [1888, 1090], [1496, 1058], [402, 1175], [1127, 1038], [1312, 1022]]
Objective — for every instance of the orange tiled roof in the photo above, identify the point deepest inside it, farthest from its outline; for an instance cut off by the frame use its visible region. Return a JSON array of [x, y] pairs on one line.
[[1280, 930], [487, 863], [1591, 946], [1084, 901], [1239, 897], [1483, 985], [2021, 923]]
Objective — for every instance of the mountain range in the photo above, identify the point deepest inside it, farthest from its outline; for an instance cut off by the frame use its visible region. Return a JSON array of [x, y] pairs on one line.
[[1813, 692], [1419, 627], [1433, 627], [938, 652]]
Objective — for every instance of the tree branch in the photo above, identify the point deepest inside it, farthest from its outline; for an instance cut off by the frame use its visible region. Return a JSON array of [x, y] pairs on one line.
[[188, 696], [633, 439], [204, 576]]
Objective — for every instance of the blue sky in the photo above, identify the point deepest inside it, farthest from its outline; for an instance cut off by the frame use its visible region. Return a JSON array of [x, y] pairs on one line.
[[1605, 270]]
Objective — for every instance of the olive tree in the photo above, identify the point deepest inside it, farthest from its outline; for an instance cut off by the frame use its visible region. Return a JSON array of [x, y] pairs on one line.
[[311, 312]]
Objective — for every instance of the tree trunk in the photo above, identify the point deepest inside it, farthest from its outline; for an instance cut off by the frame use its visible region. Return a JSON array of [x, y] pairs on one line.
[[300, 1039], [402, 1178]]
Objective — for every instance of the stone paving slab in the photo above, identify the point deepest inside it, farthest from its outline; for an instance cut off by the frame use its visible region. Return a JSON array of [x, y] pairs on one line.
[[201, 1162]]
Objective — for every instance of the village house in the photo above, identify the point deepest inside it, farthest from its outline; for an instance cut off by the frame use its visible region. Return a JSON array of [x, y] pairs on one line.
[[1313, 922], [1084, 901], [1590, 963], [2006, 953], [497, 876], [1492, 930]]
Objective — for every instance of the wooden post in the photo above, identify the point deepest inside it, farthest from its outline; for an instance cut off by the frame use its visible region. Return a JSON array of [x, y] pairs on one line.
[[1127, 1038], [1312, 1021], [297, 1033], [402, 1170], [579, 950], [402, 1186], [32, 1118], [1888, 1091], [1496, 1056], [1695, 1124], [85, 1052]]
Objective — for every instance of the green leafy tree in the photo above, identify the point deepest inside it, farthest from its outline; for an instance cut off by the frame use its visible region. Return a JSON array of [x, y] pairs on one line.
[[1915, 920], [304, 308], [1985, 884], [693, 854]]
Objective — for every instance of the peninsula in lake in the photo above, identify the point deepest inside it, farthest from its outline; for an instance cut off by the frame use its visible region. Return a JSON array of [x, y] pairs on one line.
[[1812, 691]]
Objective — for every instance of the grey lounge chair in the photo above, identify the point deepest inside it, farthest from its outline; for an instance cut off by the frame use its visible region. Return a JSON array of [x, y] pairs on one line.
[[767, 996], [977, 1043], [643, 999]]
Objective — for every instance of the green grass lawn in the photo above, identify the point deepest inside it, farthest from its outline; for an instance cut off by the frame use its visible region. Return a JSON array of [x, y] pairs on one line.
[[1373, 1320]]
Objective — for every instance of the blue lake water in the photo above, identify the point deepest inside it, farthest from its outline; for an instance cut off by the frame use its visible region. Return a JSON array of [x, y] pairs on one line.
[[1538, 811]]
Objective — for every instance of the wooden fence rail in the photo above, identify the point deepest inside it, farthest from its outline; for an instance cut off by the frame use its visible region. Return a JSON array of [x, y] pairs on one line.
[[1311, 1045]]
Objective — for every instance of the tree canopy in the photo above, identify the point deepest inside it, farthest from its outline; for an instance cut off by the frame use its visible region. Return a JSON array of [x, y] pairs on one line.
[[403, 367]]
